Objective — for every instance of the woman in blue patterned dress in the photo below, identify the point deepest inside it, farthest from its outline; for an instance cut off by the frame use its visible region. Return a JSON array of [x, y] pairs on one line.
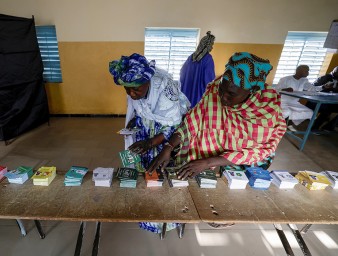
[[156, 106]]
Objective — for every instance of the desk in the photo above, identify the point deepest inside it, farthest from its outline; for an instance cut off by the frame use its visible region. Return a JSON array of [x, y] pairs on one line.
[[165, 204], [317, 97], [295, 206], [90, 203], [298, 205], [100, 204]]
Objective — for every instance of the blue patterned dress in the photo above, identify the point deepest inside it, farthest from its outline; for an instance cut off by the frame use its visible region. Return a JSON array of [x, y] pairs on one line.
[[149, 132], [159, 112]]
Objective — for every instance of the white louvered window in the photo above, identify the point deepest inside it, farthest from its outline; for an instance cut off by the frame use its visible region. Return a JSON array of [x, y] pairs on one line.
[[170, 47], [302, 48]]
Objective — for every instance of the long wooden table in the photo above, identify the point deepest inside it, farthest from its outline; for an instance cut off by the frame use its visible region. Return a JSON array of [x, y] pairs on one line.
[[90, 203], [164, 204], [275, 206], [298, 205]]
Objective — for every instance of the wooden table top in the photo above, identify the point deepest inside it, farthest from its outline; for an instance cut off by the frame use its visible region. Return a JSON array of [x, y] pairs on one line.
[[165, 204], [298, 205], [90, 203]]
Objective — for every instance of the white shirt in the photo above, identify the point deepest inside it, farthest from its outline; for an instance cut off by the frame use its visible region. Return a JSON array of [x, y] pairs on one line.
[[301, 84]]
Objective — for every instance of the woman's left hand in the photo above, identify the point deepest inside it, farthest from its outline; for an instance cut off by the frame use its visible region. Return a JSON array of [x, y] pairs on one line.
[[192, 168], [141, 147]]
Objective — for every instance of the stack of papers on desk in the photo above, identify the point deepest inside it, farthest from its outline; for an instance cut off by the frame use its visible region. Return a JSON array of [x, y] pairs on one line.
[[207, 179], [236, 179], [3, 171], [103, 176], [19, 175], [155, 179], [44, 176], [75, 176], [333, 178], [313, 180], [127, 177], [126, 131], [258, 178], [231, 168], [173, 180], [283, 179], [129, 159]]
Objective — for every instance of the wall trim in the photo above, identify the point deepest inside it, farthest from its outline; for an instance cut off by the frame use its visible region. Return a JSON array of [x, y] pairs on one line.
[[88, 115]]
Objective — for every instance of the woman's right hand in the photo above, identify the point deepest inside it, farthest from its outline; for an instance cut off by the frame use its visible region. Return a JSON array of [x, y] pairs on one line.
[[162, 160], [328, 86], [131, 124]]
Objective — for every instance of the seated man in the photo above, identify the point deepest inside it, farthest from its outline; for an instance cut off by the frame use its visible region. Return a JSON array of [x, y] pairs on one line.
[[291, 107], [328, 83]]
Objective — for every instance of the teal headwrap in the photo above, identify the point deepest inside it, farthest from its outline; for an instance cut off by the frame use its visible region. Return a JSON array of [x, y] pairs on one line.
[[247, 70]]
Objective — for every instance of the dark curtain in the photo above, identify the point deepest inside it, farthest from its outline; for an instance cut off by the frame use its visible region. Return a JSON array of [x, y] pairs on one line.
[[23, 100]]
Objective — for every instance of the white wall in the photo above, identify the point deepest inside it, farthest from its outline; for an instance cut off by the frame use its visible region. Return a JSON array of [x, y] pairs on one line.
[[235, 21]]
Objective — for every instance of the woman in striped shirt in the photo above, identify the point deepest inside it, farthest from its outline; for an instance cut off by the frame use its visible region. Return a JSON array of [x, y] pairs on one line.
[[238, 121]]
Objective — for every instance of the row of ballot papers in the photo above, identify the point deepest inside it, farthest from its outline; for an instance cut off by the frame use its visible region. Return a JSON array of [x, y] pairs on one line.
[[207, 179], [261, 179], [155, 179], [333, 178], [313, 180], [3, 171], [75, 175], [127, 176], [103, 177], [174, 181], [256, 177], [44, 175], [19, 175]]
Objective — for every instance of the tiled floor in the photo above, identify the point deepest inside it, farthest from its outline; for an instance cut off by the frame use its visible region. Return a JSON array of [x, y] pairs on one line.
[[94, 142]]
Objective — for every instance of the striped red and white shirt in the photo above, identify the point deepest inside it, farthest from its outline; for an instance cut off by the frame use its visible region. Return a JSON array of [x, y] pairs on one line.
[[243, 134]]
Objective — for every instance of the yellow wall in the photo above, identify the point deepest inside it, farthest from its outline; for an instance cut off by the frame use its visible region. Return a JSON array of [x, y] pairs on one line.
[[222, 52], [88, 87], [333, 64]]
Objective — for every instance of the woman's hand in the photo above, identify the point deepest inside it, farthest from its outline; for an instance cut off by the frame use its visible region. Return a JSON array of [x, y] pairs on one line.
[[161, 160], [141, 147], [193, 168], [132, 123], [328, 87]]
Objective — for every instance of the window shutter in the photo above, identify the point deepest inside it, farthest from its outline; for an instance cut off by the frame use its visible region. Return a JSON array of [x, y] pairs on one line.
[[302, 48], [50, 53], [170, 48]]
